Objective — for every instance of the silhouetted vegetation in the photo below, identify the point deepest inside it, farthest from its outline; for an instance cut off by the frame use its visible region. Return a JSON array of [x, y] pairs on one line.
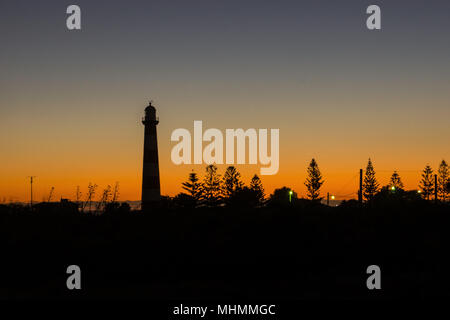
[[257, 187], [313, 181], [396, 181], [426, 183], [223, 239], [211, 194], [282, 197], [287, 250], [231, 183], [214, 191], [443, 179], [370, 184], [194, 191]]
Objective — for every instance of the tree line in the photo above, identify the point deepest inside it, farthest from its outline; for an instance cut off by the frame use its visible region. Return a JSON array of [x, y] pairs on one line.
[[229, 189], [215, 190], [427, 185]]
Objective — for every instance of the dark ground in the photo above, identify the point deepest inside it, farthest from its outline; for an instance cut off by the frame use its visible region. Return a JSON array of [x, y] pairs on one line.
[[213, 254]]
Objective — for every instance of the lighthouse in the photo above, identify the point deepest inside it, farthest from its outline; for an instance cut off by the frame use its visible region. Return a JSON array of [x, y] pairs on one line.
[[151, 194]]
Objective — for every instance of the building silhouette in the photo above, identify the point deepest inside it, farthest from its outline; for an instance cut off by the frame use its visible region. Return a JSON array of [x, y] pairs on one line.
[[151, 194]]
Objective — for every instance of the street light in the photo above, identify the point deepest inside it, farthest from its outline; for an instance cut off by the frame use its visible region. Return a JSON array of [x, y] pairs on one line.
[[393, 188], [290, 195], [333, 197]]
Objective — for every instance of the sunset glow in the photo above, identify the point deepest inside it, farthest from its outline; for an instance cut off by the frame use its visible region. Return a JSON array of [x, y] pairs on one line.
[[71, 103]]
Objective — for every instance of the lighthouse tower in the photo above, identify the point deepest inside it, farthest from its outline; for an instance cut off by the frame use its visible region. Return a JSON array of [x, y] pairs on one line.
[[151, 194]]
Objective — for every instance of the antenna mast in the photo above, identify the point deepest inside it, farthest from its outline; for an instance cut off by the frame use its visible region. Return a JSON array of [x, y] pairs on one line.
[[31, 190]]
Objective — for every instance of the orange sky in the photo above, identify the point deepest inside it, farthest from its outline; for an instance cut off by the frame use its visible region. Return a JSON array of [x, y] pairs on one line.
[[103, 149]]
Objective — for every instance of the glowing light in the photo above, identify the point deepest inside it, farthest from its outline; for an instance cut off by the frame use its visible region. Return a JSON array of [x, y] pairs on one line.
[[333, 197], [393, 188]]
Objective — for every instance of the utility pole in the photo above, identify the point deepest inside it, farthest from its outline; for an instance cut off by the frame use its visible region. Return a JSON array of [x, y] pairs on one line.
[[435, 189], [360, 186], [31, 191], [328, 199]]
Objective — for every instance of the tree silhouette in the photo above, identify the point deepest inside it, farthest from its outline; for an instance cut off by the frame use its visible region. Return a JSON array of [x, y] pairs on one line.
[[313, 181], [370, 184], [193, 187], [257, 186], [443, 179], [211, 187], [231, 182], [282, 197], [244, 198], [426, 185], [395, 181]]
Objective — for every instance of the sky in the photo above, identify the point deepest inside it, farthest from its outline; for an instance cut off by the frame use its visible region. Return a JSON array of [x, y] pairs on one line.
[[71, 101]]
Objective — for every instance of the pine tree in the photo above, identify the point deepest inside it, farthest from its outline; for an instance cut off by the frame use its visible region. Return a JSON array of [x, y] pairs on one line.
[[211, 186], [231, 182], [427, 184], [370, 184], [193, 187], [257, 187], [313, 181], [443, 179], [396, 182]]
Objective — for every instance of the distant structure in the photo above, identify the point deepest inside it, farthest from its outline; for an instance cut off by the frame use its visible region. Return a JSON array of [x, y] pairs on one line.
[[151, 193]]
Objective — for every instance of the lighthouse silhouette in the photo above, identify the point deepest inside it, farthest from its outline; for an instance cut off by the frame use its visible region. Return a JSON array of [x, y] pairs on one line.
[[151, 194]]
